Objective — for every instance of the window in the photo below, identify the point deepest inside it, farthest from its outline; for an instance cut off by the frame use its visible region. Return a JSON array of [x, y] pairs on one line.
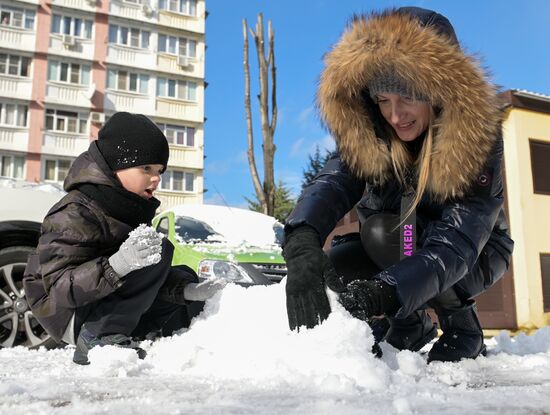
[[14, 65], [66, 122], [136, 38], [56, 170], [15, 17], [188, 7], [540, 160], [171, 88], [127, 81], [545, 274], [13, 115], [12, 166], [72, 73], [178, 181], [177, 46], [65, 25], [179, 135]]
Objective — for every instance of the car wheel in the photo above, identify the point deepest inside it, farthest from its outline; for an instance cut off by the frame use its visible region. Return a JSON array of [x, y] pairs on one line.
[[18, 326]]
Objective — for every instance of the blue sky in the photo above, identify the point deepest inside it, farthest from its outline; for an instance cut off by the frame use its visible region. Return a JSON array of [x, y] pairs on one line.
[[511, 38]]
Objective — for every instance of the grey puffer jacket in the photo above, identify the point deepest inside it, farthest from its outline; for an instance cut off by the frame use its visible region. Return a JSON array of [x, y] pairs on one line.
[[70, 267]]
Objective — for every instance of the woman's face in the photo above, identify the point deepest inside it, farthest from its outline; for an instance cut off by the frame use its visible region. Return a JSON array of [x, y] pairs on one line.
[[409, 118]]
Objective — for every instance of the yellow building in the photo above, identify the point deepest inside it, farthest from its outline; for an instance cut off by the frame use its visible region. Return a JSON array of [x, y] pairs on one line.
[[526, 131]]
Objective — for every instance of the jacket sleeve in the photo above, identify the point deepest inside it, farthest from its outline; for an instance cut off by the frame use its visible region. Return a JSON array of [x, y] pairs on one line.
[[324, 201], [452, 244], [72, 266]]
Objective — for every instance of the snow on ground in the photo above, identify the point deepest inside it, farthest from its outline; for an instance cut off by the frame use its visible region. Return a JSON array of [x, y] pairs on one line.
[[239, 357]]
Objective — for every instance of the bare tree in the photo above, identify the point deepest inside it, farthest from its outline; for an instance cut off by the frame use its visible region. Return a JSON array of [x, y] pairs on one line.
[[266, 65]]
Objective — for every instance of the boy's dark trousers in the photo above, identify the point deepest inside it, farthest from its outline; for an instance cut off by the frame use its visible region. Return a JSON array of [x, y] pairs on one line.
[[134, 309]]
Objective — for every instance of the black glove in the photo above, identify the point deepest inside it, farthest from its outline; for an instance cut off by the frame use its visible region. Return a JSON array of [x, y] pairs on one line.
[[367, 298], [308, 270]]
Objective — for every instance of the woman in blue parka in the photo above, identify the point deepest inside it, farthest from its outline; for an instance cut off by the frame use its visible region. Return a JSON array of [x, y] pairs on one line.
[[419, 151]]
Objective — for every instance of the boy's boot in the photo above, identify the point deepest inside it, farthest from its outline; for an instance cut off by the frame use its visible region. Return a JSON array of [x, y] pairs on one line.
[[411, 333], [87, 340], [462, 336]]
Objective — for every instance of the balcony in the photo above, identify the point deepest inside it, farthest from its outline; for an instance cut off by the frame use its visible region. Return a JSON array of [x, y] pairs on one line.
[[136, 11], [193, 67], [181, 21], [126, 101], [124, 55], [16, 88], [88, 5], [14, 139], [188, 157], [63, 144], [180, 110], [15, 38], [171, 199], [71, 46], [68, 94]]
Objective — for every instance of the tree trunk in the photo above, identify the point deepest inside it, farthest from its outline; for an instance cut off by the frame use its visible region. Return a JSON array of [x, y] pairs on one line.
[[266, 66], [250, 150]]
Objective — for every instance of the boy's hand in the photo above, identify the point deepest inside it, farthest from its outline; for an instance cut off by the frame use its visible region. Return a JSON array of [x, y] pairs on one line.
[[141, 249], [202, 291]]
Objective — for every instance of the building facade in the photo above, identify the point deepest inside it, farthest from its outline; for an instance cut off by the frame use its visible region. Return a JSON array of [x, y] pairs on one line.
[[521, 298], [67, 65]]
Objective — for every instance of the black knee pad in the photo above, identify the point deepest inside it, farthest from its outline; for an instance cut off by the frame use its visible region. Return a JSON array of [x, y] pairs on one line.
[[380, 238]]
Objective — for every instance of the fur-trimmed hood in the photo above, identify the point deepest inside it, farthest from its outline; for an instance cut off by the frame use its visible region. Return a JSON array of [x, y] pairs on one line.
[[433, 65]]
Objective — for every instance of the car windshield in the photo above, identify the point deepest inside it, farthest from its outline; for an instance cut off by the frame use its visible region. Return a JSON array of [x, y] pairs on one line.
[[192, 230], [236, 230]]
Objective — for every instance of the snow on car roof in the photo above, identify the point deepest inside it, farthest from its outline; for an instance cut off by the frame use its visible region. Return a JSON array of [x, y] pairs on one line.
[[236, 225]]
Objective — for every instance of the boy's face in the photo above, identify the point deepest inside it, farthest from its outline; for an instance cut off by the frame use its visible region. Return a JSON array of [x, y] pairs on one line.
[[141, 180]]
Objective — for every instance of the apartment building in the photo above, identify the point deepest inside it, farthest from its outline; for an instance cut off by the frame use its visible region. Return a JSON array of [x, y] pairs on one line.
[[67, 65]]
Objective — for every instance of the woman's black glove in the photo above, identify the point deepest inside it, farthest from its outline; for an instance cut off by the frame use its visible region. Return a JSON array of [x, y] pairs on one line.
[[367, 298], [308, 270]]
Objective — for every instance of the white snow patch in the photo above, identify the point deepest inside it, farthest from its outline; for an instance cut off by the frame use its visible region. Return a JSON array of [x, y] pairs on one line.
[[239, 357]]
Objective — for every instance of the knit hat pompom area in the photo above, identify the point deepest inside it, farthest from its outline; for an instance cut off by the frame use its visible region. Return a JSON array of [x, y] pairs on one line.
[[129, 140]]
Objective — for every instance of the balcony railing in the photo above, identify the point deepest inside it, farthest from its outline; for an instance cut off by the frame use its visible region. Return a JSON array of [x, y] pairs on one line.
[[14, 138], [182, 110], [63, 144], [77, 4], [76, 95], [124, 101], [171, 199], [17, 88], [181, 21], [124, 55], [77, 47], [14, 38], [181, 65], [189, 157]]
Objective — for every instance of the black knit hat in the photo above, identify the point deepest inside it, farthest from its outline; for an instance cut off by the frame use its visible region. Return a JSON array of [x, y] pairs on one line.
[[129, 140]]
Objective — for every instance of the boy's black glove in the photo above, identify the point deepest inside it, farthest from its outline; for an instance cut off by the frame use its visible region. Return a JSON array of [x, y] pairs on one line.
[[367, 298], [308, 270]]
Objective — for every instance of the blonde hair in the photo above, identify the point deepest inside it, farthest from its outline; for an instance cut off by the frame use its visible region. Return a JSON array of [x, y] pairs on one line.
[[402, 161]]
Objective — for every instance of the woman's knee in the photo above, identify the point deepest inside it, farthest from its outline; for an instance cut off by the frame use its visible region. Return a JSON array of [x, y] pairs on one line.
[[380, 239]]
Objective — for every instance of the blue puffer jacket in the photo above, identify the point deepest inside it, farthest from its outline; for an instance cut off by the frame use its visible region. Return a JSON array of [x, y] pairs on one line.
[[460, 216]]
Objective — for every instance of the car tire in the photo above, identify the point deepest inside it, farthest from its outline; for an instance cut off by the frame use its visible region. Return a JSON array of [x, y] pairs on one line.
[[18, 326]]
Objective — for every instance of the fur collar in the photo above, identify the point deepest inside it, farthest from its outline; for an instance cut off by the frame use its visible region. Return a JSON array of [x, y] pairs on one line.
[[465, 128]]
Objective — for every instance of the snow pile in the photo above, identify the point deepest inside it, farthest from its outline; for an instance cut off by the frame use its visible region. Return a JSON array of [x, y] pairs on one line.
[[243, 336], [239, 356], [523, 344]]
